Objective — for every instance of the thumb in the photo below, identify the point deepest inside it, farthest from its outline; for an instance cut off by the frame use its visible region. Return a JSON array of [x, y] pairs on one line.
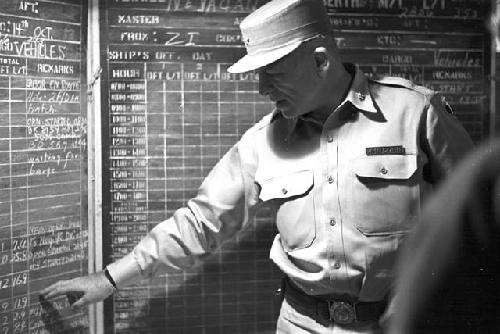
[[79, 303]]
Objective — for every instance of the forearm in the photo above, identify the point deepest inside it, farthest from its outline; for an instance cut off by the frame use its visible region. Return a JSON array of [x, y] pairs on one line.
[[174, 244], [125, 271], [220, 209]]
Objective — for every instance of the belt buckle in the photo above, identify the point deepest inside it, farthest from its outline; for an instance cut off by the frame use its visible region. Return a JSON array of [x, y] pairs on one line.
[[342, 312]]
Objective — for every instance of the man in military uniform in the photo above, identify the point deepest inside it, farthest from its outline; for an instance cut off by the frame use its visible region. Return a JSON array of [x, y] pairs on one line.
[[344, 161]]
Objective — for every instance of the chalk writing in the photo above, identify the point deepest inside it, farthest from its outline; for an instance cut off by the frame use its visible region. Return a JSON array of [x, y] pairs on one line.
[[42, 63]]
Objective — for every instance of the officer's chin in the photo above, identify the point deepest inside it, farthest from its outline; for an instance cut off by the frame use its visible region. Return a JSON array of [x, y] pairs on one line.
[[287, 112]]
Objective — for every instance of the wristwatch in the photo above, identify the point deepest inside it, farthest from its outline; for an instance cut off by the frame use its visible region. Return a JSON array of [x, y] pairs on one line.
[[110, 279]]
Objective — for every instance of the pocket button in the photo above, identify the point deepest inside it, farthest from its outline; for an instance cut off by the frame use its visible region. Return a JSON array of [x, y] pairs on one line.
[[383, 170]]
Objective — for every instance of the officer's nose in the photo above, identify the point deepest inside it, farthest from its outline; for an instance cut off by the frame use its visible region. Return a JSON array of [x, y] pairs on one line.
[[264, 83]]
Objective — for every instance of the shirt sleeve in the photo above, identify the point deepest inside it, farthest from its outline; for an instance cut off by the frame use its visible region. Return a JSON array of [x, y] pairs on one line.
[[444, 139], [224, 204], [445, 142]]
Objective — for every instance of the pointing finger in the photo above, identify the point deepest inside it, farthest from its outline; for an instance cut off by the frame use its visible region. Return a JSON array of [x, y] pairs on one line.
[[45, 292], [49, 288], [56, 289], [79, 303]]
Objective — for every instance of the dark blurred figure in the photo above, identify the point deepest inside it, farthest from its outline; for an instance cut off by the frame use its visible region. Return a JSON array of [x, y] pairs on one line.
[[449, 271]]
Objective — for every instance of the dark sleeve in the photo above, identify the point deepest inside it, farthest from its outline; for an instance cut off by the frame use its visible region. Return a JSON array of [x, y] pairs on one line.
[[448, 275], [443, 139]]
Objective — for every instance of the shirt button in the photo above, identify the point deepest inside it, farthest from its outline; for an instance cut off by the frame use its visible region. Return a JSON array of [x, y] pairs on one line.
[[330, 139], [332, 221], [336, 265], [383, 170], [284, 191], [330, 179]]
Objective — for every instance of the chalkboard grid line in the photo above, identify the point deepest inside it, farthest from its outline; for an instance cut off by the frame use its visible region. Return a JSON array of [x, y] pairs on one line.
[[10, 190], [34, 18], [379, 14]]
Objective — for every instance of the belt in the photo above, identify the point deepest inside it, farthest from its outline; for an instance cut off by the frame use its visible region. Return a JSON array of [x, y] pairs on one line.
[[326, 311]]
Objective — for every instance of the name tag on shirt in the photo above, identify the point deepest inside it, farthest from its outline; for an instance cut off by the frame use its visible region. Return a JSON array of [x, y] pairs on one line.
[[386, 150]]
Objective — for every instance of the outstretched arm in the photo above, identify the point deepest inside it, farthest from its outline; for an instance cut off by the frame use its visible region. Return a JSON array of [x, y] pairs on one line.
[[222, 207]]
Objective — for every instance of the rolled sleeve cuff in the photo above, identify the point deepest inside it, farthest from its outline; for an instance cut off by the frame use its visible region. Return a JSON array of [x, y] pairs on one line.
[[125, 271]]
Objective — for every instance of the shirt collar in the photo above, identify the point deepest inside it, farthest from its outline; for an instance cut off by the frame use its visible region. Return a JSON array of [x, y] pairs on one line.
[[359, 93]]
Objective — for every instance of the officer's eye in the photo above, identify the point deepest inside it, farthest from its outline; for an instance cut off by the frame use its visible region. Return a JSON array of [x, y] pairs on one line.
[[273, 71]]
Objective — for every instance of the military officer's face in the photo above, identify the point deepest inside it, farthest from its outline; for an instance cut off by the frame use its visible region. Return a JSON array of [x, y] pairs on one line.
[[290, 83]]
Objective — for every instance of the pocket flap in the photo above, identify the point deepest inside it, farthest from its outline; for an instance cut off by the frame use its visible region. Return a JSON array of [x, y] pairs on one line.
[[386, 166], [288, 185]]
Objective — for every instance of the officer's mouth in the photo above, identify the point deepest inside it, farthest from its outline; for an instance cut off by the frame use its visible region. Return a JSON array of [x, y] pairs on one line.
[[274, 97]]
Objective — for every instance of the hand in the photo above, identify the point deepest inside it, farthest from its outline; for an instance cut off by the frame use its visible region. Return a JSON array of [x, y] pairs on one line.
[[89, 289], [386, 318]]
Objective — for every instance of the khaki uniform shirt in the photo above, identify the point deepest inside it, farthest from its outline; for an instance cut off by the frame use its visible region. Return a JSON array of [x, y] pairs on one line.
[[345, 193]]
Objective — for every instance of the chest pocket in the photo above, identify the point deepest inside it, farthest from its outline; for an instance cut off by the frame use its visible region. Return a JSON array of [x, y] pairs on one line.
[[386, 193], [290, 196]]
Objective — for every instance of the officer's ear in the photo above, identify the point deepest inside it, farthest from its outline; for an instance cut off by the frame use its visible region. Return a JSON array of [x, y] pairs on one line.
[[321, 60]]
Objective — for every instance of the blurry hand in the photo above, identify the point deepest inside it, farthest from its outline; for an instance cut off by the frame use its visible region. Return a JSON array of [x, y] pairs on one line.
[[387, 317], [89, 289]]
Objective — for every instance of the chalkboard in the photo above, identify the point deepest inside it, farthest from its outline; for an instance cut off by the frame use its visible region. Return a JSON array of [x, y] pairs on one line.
[[171, 110], [43, 161]]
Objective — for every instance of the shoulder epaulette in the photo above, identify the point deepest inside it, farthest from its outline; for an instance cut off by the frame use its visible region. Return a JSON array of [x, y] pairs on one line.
[[402, 82]]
